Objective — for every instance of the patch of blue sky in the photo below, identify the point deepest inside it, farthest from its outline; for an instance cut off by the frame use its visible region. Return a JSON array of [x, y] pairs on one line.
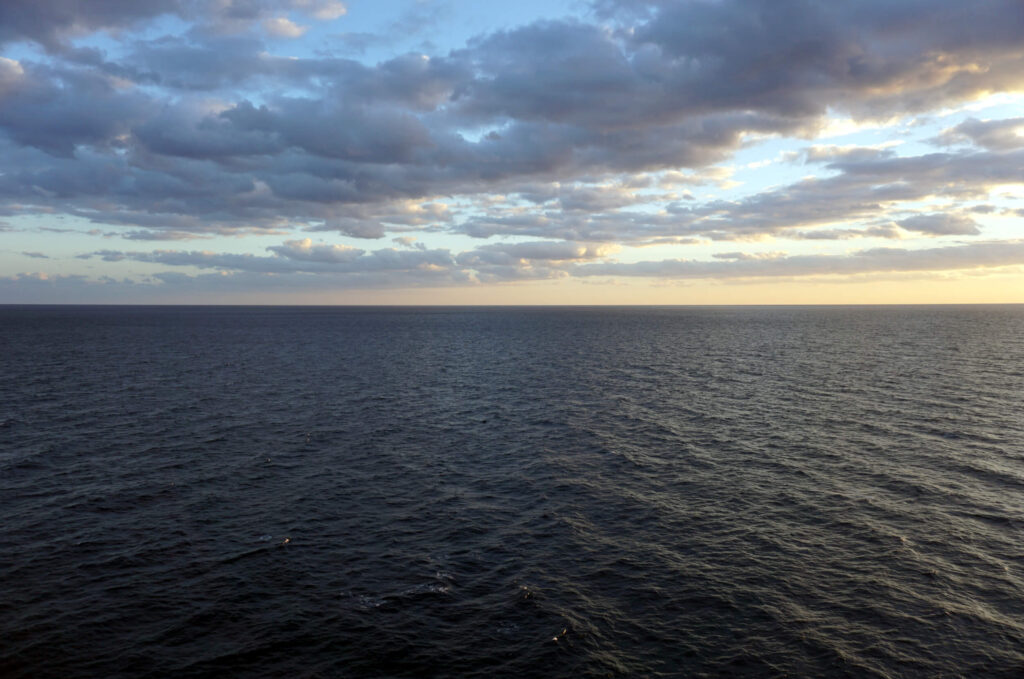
[[454, 242], [24, 52], [765, 164], [475, 135], [995, 105], [65, 238]]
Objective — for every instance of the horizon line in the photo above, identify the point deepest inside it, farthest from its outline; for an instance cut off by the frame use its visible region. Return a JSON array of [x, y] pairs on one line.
[[506, 306]]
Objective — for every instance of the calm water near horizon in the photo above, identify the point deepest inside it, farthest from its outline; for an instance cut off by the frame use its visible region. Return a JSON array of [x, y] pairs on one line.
[[522, 492]]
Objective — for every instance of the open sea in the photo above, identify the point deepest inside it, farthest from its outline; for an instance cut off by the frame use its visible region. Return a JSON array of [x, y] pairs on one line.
[[512, 492]]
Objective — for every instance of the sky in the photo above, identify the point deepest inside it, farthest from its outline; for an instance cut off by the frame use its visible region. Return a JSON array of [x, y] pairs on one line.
[[556, 152]]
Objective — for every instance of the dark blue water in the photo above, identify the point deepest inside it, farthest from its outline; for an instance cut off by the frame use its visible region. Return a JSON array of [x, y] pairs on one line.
[[282, 492]]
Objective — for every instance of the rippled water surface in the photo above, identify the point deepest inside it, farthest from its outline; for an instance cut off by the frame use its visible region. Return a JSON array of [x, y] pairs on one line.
[[275, 492]]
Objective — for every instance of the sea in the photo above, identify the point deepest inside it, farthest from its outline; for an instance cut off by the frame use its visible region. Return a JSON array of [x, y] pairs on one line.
[[511, 491]]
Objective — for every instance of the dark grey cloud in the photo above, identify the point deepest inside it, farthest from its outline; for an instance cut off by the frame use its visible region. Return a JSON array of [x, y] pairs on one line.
[[200, 61], [51, 22], [58, 110], [357, 134], [792, 57], [48, 21], [204, 62]]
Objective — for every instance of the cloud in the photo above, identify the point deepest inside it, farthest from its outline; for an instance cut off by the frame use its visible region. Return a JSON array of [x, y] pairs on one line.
[[11, 74], [876, 260], [941, 225], [870, 58], [352, 266], [994, 135], [295, 256], [830, 154], [889, 231], [56, 110], [324, 10], [851, 203], [578, 134], [282, 27], [305, 250], [863, 190], [48, 21], [302, 264], [597, 198], [548, 251], [52, 22], [563, 97], [748, 256]]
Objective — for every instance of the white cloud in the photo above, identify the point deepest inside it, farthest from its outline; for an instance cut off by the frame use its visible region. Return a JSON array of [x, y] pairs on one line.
[[324, 10], [11, 73], [282, 27]]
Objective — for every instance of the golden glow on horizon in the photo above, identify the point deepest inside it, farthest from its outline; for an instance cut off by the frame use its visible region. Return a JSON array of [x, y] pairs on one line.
[[968, 287]]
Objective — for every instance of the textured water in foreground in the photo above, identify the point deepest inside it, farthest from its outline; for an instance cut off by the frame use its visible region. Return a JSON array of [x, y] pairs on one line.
[[275, 492]]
